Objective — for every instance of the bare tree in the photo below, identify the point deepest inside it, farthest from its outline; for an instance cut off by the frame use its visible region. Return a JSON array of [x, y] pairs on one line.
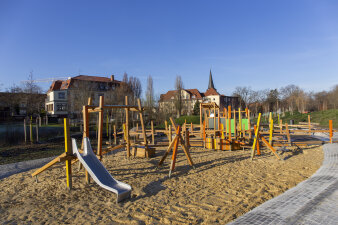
[[244, 94], [150, 92], [178, 97]]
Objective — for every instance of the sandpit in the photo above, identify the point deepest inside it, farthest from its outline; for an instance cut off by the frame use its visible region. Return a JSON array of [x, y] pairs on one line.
[[224, 186]]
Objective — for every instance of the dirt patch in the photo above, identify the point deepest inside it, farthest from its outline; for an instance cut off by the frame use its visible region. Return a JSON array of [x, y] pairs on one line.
[[222, 187]]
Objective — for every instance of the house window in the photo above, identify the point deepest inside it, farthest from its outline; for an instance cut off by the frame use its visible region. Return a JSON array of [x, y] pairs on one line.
[[62, 95], [50, 107], [61, 107]]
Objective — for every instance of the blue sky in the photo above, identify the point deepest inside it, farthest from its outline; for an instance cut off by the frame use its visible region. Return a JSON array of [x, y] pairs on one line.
[[262, 44]]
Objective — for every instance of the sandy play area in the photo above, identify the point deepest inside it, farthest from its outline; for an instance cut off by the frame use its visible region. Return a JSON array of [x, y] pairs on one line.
[[224, 186]]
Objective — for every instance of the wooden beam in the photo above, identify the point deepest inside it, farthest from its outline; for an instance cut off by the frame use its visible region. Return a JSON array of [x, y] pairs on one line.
[[48, 165]]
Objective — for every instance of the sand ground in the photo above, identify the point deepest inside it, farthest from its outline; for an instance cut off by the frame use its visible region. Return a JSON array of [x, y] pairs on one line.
[[223, 186]]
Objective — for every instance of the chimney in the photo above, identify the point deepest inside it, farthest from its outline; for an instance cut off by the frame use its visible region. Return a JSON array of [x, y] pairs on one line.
[[112, 78]]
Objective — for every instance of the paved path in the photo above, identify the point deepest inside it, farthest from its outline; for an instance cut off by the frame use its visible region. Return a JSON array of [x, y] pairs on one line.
[[14, 168], [313, 201]]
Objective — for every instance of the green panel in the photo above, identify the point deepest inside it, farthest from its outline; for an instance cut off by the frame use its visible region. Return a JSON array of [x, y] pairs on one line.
[[245, 123], [232, 126]]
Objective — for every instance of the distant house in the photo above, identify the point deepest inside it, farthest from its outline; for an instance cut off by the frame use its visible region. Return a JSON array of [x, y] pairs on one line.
[[66, 97], [190, 96], [19, 105]]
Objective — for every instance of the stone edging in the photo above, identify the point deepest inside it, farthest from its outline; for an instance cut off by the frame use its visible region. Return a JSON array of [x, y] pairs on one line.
[[313, 201]]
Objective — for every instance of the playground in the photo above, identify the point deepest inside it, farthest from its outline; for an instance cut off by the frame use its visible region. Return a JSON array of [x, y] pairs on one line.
[[212, 172], [222, 187]]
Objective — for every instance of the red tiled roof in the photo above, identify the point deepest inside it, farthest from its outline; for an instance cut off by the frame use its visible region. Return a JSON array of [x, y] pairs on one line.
[[170, 94], [167, 96], [93, 78], [195, 92], [56, 85], [65, 84], [211, 91]]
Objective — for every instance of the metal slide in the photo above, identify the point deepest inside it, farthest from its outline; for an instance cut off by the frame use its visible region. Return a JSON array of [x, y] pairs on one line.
[[99, 173]]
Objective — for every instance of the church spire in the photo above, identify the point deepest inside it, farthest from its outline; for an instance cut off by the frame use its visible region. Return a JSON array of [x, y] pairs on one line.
[[211, 83]]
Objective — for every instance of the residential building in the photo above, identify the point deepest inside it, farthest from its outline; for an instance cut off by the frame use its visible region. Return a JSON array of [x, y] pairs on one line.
[[190, 96], [66, 97]]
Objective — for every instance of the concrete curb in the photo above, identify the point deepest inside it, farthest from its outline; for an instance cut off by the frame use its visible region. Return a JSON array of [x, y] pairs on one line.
[[313, 201], [14, 168]]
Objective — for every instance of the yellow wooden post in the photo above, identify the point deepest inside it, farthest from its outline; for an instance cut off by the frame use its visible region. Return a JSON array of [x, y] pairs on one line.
[[222, 131], [256, 136], [68, 150], [271, 132], [270, 116]]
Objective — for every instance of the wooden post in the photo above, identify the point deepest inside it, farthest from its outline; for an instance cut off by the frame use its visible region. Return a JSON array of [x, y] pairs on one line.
[[86, 131], [31, 131], [331, 133], [249, 125], [229, 123], [109, 134], [115, 135], [271, 132], [37, 129], [218, 120], [214, 121], [309, 120], [240, 122], [201, 113], [235, 127], [170, 134], [173, 159], [143, 128], [280, 126], [68, 150], [127, 128], [46, 119], [39, 121], [256, 136], [100, 128], [25, 130], [152, 133], [192, 128], [288, 133], [107, 125]]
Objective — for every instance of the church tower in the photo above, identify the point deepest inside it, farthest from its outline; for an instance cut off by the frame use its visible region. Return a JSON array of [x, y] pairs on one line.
[[211, 83]]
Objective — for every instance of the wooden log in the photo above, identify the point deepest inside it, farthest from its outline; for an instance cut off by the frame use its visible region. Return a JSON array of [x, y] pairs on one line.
[[270, 147], [309, 121]]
